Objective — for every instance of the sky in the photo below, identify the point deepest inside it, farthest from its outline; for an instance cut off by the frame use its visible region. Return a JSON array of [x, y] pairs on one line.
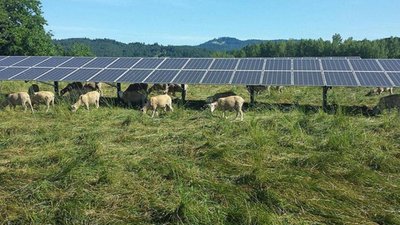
[[192, 22]]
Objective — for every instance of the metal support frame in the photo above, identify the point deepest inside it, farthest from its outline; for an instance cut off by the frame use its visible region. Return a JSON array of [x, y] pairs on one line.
[[183, 93], [56, 88], [252, 95], [325, 98], [119, 88]]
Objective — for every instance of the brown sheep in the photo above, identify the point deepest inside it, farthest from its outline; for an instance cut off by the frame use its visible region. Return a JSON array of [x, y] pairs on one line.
[[44, 97], [20, 98], [388, 102], [229, 103], [92, 97], [215, 97], [160, 101], [137, 87]]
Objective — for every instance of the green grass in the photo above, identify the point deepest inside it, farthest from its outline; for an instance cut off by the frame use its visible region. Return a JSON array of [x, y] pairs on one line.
[[282, 165]]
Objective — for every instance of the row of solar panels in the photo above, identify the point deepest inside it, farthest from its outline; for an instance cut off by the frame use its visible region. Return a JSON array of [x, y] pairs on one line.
[[247, 71]]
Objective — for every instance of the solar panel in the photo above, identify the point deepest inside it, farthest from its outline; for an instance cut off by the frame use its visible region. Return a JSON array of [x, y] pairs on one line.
[[217, 77], [308, 78], [278, 64], [335, 65], [31, 61], [76, 62], [134, 76], [12, 60], [108, 75], [340, 79], [161, 76], [10, 72], [2, 57], [124, 63], [373, 79], [199, 64], [173, 64], [150, 63], [247, 77], [390, 64], [306, 64], [53, 62], [81, 75], [395, 78], [31, 74], [279, 78], [56, 74], [251, 64], [365, 65], [100, 63], [189, 77], [224, 64]]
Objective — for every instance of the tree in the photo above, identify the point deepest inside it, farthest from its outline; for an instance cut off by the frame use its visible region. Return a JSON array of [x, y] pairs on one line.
[[22, 29], [79, 49]]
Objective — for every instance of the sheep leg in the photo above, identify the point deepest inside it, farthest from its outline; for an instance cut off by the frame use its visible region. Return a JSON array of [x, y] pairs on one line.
[[87, 106], [241, 115], [153, 113], [170, 108], [48, 106], [97, 104]]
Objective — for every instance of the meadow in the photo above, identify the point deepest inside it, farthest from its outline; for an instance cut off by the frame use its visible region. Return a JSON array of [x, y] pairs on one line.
[[288, 162]]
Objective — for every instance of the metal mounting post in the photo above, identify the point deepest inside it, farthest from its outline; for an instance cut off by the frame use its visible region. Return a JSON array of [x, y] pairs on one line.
[[252, 95], [183, 93], [325, 98], [119, 88], [56, 88]]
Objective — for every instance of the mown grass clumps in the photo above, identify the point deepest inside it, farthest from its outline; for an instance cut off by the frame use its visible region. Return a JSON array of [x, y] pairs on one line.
[[285, 164]]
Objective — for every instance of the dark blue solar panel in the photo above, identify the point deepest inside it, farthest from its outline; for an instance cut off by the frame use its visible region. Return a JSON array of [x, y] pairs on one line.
[[81, 75], [224, 64], [108, 75], [365, 65], [247, 77], [2, 68], [54, 62], [217, 77], [173, 64], [124, 63], [2, 57], [162, 76], [390, 64], [134, 76], [308, 79], [395, 78], [251, 64], [189, 77], [340, 79], [278, 64], [10, 72], [76, 62], [277, 78], [373, 79], [199, 64], [56, 74], [31, 74], [335, 65], [31, 61], [12, 60], [100, 63], [306, 64], [149, 63]]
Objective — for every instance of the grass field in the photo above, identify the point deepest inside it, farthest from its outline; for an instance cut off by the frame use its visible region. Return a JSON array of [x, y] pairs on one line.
[[287, 163]]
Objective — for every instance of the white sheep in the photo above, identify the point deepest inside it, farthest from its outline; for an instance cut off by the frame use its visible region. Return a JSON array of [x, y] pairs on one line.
[[160, 101], [44, 97], [92, 97], [20, 98], [380, 90], [229, 103]]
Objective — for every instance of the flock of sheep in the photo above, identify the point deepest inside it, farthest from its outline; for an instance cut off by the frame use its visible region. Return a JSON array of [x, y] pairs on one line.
[[136, 94]]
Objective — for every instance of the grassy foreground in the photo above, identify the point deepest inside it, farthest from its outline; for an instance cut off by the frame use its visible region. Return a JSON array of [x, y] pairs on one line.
[[282, 165]]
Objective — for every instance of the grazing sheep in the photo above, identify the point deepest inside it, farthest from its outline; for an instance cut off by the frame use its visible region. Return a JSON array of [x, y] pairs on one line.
[[160, 101], [137, 88], [167, 88], [260, 88], [379, 91], [20, 98], [159, 87], [75, 86], [388, 102], [215, 97], [133, 98], [229, 103], [93, 87], [44, 97], [33, 89], [92, 97]]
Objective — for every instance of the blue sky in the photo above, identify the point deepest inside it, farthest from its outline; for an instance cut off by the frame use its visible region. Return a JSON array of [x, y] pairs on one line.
[[191, 22]]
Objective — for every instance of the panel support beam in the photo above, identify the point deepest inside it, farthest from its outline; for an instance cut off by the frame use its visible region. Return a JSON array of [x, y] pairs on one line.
[[183, 93], [325, 98], [56, 88], [252, 95], [119, 88]]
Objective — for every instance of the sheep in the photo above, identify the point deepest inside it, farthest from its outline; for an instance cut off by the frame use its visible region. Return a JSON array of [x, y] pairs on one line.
[[92, 97], [159, 87], [45, 97], [33, 89], [380, 90], [229, 103], [93, 87], [388, 102], [79, 88], [20, 98], [260, 88], [160, 101], [133, 97], [215, 97], [167, 88], [137, 87], [75, 86]]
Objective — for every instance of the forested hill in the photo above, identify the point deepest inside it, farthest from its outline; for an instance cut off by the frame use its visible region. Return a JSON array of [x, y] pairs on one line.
[[230, 44], [107, 47]]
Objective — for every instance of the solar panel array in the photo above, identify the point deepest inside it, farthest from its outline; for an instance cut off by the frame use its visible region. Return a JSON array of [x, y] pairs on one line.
[[330, 71]]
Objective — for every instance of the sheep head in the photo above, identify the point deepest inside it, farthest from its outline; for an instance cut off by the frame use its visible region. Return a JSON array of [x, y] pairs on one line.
[[213, 106]]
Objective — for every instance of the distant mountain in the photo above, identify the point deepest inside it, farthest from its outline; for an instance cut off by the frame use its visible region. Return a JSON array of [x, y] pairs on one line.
[[230, 44]]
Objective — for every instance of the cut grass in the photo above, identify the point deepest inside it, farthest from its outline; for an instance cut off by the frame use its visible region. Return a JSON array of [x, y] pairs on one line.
[[282, 165]]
